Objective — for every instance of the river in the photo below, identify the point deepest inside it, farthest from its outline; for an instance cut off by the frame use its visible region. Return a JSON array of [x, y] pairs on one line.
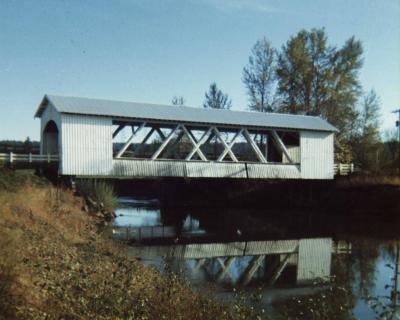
[[285, 263]]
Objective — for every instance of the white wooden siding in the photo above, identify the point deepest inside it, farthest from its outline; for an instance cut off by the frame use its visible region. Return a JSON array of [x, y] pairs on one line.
[[49, 114], [85, 149], [165, 168], [316, 155], [87, 145], [314, 259]]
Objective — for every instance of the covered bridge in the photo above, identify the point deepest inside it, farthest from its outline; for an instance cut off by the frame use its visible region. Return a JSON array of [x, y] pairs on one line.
[[101, 138]]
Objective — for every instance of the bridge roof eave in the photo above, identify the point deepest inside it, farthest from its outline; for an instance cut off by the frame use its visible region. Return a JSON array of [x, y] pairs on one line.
[[134, 111], [201, 125]]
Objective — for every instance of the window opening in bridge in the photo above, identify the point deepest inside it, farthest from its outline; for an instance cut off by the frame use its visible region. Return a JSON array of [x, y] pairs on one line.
[[154, 141], [283, 147], [136, 140], [50, 138]]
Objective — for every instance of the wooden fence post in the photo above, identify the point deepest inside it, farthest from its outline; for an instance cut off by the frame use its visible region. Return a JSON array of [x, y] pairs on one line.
[[11, 157]]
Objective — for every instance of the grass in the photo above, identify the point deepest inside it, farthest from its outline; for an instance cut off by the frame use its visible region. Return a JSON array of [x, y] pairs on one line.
[[54, 265], [8, 262], [102, 193]]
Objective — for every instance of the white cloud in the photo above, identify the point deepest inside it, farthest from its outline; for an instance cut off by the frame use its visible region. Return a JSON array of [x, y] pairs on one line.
[[261, 6]]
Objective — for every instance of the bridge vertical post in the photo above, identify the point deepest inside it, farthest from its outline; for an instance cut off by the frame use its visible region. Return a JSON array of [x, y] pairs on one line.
[[11, 157], [30, 157]]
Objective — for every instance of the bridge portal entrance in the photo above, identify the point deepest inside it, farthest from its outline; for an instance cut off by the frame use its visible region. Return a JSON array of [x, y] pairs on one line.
[[50, 139]]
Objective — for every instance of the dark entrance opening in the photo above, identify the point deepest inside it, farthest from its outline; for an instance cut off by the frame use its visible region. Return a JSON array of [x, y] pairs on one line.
[[50, 138]]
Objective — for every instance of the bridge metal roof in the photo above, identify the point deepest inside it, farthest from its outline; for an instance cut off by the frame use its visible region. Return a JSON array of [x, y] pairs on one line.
[[156, 112]]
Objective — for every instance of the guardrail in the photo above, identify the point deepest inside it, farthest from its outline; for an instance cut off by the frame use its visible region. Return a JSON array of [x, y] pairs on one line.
[[343, 169], [28, 158]]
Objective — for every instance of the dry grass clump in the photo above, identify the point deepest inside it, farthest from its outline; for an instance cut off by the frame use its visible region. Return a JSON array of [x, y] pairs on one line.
[[54, 265], [99, 192], [8, 262]]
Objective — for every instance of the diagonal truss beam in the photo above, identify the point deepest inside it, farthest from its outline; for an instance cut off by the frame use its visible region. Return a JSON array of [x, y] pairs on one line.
[[165, 142], [254, 146], [147, 137], [118, 130], [281, 146], [130, 140], [162, 135], [172, 149], [229, 146], [229, 151], [201, 141], [199, 264], [254, 265], [282, 266], [225, 267], [194, 143]]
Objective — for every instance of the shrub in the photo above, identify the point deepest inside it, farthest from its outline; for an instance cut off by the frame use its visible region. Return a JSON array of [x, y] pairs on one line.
[[100, 192], [10, 180]]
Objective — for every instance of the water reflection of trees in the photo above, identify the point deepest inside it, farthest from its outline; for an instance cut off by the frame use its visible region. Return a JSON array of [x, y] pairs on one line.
[[363, 263], [386, 305]]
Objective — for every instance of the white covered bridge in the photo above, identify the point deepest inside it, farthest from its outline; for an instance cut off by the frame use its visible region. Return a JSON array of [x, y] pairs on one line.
[[101, 138]]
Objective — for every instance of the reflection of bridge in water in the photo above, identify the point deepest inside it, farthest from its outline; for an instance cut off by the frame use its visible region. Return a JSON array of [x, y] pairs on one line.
[[243, 262]]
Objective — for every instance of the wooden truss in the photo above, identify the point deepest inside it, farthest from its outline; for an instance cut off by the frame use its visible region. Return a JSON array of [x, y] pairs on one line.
[[248, 273], [182, 131]]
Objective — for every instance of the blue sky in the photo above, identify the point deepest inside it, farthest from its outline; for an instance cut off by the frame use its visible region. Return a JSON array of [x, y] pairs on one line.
[[147, 50]]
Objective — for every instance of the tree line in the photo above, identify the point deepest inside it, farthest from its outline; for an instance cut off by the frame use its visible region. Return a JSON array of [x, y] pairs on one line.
[[15, 146], [310, 76]]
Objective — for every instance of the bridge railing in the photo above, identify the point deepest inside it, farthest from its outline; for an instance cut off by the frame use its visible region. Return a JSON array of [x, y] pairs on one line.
[[343, 169], [28, 158]]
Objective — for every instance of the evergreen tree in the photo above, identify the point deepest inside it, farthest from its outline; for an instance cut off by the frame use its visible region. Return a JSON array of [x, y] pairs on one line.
[[216, 99]]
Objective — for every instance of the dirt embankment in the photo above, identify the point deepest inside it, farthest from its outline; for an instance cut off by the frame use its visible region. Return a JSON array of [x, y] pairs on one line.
[[55, 265]]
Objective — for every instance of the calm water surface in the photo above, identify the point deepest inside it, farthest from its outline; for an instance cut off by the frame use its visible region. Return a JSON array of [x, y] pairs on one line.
[[283, 259]]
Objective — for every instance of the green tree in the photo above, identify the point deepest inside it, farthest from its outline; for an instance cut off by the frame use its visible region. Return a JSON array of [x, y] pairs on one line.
[[315, 78], [367, 138], [216, 99], [259, 76]]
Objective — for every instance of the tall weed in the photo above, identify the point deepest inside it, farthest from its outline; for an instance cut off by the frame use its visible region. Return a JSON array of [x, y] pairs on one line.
[[99, 191]]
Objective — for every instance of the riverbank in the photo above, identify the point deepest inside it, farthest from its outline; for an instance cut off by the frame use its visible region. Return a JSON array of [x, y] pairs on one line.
[[54, 264]]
